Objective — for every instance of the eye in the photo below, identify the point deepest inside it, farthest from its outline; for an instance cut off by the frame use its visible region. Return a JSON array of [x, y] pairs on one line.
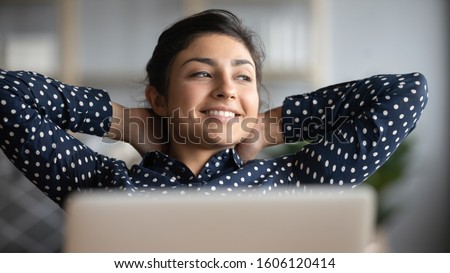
[[201, 74], [244, 78]]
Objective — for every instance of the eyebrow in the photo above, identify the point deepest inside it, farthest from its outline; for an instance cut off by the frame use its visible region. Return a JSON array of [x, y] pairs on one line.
[[212, 62]]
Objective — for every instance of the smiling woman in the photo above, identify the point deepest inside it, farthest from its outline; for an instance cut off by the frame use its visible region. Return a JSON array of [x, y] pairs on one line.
[[204, 77], [212, 85]]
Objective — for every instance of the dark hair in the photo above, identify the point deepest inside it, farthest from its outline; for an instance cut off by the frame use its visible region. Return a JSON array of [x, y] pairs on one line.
[[179, 36]]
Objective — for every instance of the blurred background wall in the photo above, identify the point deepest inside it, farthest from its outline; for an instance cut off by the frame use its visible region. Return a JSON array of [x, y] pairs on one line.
[[309, 43]]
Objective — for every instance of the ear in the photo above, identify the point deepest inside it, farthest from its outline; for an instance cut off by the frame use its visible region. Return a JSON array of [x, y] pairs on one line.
[[157, 101]]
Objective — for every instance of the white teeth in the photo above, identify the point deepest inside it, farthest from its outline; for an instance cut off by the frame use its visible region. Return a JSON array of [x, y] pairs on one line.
[[220, 113]]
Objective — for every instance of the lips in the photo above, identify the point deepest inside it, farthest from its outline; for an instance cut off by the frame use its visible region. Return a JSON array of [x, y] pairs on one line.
[[219, 113]]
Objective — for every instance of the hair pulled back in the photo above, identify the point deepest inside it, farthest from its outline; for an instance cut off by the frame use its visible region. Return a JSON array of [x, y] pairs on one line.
[[181, 34]]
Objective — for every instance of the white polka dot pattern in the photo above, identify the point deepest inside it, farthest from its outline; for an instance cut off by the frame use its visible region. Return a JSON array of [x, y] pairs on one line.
[[352, 127]]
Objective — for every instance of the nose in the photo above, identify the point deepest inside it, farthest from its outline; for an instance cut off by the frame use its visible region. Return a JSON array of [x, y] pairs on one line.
[[224, 89]]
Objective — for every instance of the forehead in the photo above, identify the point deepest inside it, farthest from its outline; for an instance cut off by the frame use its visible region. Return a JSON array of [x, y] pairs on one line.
[[215, 46]]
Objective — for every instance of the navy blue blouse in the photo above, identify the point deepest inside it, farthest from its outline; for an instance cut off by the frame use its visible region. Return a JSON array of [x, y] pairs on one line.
[[352, 129]]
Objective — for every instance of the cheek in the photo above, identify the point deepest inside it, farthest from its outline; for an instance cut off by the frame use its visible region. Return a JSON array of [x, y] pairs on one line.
[[251, 102], [182, 97]]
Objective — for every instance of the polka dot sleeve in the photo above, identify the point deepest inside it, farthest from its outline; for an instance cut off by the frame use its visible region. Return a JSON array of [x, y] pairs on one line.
[[35, 113], [353, 127], [79, 109]]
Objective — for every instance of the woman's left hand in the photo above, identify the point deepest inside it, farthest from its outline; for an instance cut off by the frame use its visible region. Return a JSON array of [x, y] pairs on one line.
[[266, 132], [250, 147]]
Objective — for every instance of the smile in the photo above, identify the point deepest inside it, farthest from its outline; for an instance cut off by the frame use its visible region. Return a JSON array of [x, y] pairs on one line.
[[219, 113]]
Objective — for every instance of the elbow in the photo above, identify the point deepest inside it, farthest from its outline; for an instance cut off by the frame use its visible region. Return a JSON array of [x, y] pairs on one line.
[[418, 91], [421, 85]]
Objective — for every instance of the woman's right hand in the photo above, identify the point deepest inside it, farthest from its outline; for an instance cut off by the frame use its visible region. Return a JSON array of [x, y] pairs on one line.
[[142, 128]]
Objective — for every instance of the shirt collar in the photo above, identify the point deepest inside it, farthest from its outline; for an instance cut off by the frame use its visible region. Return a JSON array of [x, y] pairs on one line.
[[223, 161]]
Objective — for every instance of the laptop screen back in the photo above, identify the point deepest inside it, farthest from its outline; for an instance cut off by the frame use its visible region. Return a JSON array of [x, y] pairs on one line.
[[279, 222]]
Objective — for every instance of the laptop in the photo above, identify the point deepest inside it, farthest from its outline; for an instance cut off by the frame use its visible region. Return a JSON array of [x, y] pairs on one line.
[[284, 221]]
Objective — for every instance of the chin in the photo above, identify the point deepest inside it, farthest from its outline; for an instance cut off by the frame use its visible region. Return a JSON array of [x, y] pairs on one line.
[[220, 141]]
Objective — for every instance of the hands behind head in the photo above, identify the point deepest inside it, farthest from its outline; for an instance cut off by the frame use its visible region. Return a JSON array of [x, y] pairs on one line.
[[146, 131], [140, 127]]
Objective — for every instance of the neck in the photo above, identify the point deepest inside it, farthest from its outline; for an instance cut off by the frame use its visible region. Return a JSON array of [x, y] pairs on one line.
[[193, 156]]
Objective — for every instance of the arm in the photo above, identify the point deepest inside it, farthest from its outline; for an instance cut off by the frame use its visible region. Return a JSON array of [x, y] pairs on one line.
[[267, 131], [35, 114], [352, 128], [140, 127]]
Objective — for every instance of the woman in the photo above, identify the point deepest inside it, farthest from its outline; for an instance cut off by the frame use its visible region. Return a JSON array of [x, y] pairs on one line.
[[204, 78]]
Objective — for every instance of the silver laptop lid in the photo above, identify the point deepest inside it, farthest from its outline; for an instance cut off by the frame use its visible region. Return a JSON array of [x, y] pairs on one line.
[[283, 221]]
